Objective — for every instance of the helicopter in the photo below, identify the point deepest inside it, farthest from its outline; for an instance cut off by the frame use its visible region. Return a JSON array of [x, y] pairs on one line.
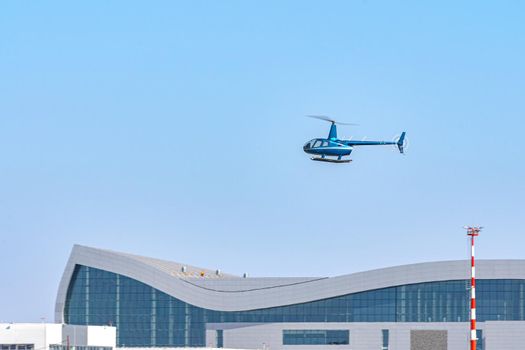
[[334, 147]]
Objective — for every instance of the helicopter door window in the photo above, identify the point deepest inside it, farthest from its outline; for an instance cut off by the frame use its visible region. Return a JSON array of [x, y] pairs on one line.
[[316, 144], [325, 144]]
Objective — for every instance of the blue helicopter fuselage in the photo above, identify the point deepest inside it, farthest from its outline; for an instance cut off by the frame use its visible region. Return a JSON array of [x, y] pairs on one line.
[[327, 147]]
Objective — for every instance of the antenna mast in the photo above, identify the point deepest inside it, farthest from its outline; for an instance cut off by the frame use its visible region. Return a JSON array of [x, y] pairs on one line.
[[472, 231]]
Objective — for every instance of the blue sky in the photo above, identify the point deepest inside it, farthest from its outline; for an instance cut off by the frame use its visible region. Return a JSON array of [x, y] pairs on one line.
[[175, 130]]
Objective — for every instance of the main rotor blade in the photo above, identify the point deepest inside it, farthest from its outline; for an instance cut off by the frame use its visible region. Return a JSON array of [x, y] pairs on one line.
[[328, 119]]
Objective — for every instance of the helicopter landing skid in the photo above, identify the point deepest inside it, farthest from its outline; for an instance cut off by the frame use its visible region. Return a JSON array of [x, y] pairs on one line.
[[329, 160]]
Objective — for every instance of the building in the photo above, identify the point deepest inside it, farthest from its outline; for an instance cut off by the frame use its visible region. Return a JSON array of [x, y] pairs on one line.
[[157, 303], [47, 336]]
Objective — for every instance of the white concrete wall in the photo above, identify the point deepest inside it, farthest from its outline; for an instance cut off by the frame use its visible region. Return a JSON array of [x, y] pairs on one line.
[[76, 335], [504, 335], [102, 336], [44, 334], [39, 334]]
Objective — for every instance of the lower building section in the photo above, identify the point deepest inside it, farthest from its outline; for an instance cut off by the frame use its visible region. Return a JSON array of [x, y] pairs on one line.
[[493, 335], [52, 336]]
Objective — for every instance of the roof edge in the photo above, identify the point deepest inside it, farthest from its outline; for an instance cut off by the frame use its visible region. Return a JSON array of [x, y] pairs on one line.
[[258, 295]]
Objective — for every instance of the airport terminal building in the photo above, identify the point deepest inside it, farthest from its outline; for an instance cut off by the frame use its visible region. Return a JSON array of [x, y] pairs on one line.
[[157, 303]]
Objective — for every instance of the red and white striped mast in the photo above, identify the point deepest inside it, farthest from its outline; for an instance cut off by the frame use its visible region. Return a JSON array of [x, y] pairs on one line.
[[472, 231]]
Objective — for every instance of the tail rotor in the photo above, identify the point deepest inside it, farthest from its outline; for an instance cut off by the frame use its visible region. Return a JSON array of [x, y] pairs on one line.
[[401, 143]]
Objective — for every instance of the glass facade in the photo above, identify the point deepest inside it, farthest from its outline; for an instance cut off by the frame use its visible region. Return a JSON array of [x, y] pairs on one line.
[[145, 316], [316, 337]]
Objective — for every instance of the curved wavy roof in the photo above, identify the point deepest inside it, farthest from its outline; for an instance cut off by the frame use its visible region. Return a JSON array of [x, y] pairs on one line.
[[223, 292]]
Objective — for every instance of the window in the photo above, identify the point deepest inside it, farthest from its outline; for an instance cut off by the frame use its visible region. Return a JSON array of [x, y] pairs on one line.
[[317, 144], [316, 337], [82, 347], [220, 338], [325, 143], [479, 343], [17, 346], [385, 334]]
